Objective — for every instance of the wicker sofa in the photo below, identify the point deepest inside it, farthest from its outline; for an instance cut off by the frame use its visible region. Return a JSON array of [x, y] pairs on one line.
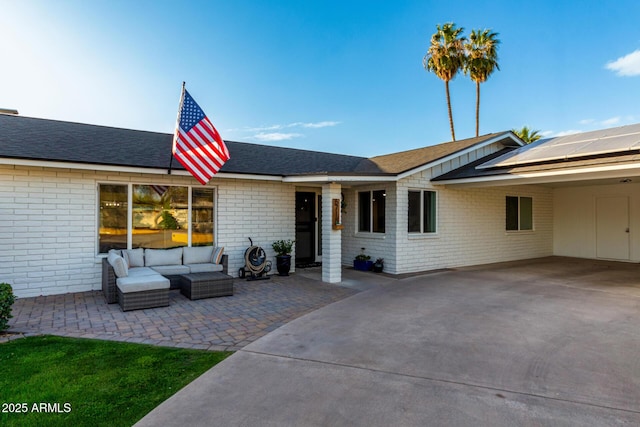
[[141, 278]]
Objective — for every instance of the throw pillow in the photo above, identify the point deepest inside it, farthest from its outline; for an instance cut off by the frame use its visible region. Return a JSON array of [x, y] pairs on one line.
[[119, 265], [216, 258], [154, 257], [134, 257], [197, 255]]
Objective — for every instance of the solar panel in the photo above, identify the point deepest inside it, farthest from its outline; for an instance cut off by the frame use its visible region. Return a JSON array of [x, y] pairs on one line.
[[605, 141]]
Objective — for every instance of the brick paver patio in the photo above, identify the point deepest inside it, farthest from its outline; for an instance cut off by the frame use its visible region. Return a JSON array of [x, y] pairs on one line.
[[226, 323]]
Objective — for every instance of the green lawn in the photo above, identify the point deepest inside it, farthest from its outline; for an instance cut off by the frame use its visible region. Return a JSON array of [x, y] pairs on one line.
[[89, 382]]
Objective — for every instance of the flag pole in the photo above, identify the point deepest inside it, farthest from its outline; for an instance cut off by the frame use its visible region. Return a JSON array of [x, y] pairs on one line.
[[177, 127]]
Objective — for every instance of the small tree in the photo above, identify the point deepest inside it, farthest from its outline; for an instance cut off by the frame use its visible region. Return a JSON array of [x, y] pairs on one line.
[[527, 135], [6, 301]]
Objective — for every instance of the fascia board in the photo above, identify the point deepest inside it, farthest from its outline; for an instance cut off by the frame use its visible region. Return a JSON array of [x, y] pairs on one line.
[[125, 169], [339, 178], [546, 177]]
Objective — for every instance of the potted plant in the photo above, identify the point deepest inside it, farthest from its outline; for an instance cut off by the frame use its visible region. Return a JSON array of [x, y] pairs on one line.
[[378, 266], [283, 255], [362, 261]]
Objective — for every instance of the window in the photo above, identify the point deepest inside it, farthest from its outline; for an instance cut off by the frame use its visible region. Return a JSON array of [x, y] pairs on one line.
[[422, 212], [159, 216], [371, 211], [113, 217], [202, 217], [519, 213]]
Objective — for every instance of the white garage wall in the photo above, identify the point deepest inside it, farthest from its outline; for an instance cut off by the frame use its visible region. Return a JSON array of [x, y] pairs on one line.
[[574, 219]]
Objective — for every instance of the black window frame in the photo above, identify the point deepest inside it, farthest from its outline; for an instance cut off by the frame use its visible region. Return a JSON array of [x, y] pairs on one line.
[[372, 207], [425, 207], [514, 206]]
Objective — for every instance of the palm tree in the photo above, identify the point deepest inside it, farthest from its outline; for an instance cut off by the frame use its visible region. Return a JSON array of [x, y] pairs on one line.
[[527, 135], [445, 58], [482, 60]]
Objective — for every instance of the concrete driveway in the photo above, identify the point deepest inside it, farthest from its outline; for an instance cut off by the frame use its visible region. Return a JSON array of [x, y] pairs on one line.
[[554, 342]]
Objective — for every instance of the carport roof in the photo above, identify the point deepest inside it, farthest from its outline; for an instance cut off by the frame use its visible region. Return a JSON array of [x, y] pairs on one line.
[[619, 154]]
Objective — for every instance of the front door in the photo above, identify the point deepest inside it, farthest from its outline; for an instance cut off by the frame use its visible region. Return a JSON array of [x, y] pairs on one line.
[[612, 227], [305, 227]]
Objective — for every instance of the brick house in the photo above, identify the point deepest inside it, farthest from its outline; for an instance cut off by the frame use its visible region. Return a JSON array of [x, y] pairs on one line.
[[69, 192]]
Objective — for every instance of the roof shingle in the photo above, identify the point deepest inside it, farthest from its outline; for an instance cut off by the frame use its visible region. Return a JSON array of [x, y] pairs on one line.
[[52, 140]]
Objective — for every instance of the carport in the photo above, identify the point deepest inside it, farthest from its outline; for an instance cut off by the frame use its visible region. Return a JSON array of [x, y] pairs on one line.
[[595, 178]]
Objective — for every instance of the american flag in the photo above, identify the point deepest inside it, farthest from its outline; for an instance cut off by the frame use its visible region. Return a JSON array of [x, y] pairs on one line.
[[196, 143]]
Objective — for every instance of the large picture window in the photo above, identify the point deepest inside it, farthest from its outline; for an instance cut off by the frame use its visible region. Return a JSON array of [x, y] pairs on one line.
[[519, 213], [422, 212], [159, 216], [371, 211]]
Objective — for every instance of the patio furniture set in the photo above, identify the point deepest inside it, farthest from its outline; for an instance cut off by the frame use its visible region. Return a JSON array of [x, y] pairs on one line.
[[142, 278]]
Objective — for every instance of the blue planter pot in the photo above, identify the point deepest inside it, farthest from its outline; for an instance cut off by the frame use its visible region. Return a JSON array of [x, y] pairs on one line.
[[362, 265]]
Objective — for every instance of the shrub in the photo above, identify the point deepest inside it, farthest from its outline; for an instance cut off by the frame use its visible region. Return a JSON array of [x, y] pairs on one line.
[[362, 256], [6, 301], [283, 247]]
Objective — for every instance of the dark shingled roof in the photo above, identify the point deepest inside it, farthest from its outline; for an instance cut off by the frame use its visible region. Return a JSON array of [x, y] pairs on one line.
[[397, 163], [52, 140]]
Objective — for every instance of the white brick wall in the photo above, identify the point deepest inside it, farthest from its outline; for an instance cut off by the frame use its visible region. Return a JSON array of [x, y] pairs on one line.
[[331, 239], [377, 245], [47, 231], [470, 227], [48, 223], [262, 210]]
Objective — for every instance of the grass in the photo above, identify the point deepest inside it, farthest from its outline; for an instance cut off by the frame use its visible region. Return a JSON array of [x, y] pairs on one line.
[[101, 382]]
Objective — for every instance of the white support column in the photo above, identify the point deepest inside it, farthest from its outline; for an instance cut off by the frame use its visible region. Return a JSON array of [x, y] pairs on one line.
[[331, 239]]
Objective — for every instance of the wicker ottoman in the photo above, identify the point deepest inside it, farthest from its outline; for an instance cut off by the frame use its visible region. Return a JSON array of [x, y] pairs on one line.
[[136, 293], [206, 285]]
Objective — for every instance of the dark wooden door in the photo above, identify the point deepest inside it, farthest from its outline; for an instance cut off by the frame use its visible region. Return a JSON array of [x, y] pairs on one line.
[[305, 227]]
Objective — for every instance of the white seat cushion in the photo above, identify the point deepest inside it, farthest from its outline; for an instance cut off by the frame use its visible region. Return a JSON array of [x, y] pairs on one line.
[[141, 271], [142, 283], [171, 269], [204, 267], [197, 255]]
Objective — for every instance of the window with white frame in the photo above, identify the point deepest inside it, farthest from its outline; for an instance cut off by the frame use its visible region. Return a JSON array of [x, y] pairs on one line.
[[154, 216], [422, 211], [371, 211], [519, 213]]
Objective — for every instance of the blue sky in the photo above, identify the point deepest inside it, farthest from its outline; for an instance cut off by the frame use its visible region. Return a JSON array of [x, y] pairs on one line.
[[336, 76]]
